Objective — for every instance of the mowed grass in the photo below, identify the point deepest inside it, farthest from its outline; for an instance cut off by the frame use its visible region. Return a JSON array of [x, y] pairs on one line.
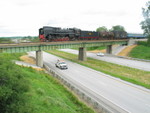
[[142, 51], [47, 95], [132, 75]]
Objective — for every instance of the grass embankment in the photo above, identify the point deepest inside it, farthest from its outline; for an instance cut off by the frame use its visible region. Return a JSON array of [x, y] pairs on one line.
[[13, 86], [24, 90], [132, 75], [142, 51]]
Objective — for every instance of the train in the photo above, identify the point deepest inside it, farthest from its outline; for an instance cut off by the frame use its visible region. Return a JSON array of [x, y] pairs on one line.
[[54, 34]]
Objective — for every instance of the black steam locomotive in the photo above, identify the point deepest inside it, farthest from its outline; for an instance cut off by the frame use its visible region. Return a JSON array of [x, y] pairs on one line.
[[71, 34]]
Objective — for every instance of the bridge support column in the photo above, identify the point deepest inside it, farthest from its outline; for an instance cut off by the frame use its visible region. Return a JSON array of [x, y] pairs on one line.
[[39, 58], [82, 54], [109, 49]]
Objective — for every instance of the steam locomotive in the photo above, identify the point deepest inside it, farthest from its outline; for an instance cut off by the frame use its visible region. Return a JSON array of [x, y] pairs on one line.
[[50, 34]]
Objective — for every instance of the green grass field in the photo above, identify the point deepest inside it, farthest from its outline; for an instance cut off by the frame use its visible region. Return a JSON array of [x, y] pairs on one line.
[[25, 90], [132, 75], [142, 51], [48, 96]]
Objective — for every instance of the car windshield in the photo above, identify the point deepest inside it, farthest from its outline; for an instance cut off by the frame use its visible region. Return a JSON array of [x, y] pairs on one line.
[[62, 63]]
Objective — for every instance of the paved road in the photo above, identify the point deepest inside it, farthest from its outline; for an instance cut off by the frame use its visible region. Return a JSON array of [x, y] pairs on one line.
[[131, 98], [121, 61]]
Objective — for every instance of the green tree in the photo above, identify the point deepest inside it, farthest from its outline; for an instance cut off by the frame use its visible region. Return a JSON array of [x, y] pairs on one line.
[[117, 28], [103, 28], [145, 24]]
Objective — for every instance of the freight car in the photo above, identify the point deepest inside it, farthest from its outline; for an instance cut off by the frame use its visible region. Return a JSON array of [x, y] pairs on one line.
[[71, 34]]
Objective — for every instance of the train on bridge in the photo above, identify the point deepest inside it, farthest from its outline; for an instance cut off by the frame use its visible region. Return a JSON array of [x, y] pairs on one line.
[[51, 34]]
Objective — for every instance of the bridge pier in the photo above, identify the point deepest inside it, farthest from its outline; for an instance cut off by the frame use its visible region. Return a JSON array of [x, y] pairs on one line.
[[82, 54], [39, 58], [109, 49]]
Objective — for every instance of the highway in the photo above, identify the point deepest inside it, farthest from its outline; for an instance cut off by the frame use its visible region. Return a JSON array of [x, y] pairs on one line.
[[121, 61], [123, 95]]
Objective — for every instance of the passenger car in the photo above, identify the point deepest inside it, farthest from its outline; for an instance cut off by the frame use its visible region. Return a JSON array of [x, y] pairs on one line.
[[61, 64], [100, 54]]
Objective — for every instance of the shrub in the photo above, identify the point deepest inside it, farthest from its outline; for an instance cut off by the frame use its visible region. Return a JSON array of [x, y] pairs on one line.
[[142, 43], [13, 85]]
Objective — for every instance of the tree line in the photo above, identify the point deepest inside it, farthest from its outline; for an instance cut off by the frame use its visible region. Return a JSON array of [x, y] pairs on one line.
[[114, 28]]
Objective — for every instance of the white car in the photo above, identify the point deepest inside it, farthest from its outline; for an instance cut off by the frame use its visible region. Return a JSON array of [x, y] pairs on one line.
[[61, 64], [100, 54]]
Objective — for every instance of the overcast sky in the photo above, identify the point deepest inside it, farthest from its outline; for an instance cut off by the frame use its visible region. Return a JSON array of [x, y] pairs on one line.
[[25, 17]]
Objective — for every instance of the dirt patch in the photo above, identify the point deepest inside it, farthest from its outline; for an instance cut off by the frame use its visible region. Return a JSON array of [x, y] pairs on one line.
[[30, 60], [27, 59], [126, 51]]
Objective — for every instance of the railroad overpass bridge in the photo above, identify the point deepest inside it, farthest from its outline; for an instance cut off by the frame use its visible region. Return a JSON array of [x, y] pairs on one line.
[[41, 46]]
